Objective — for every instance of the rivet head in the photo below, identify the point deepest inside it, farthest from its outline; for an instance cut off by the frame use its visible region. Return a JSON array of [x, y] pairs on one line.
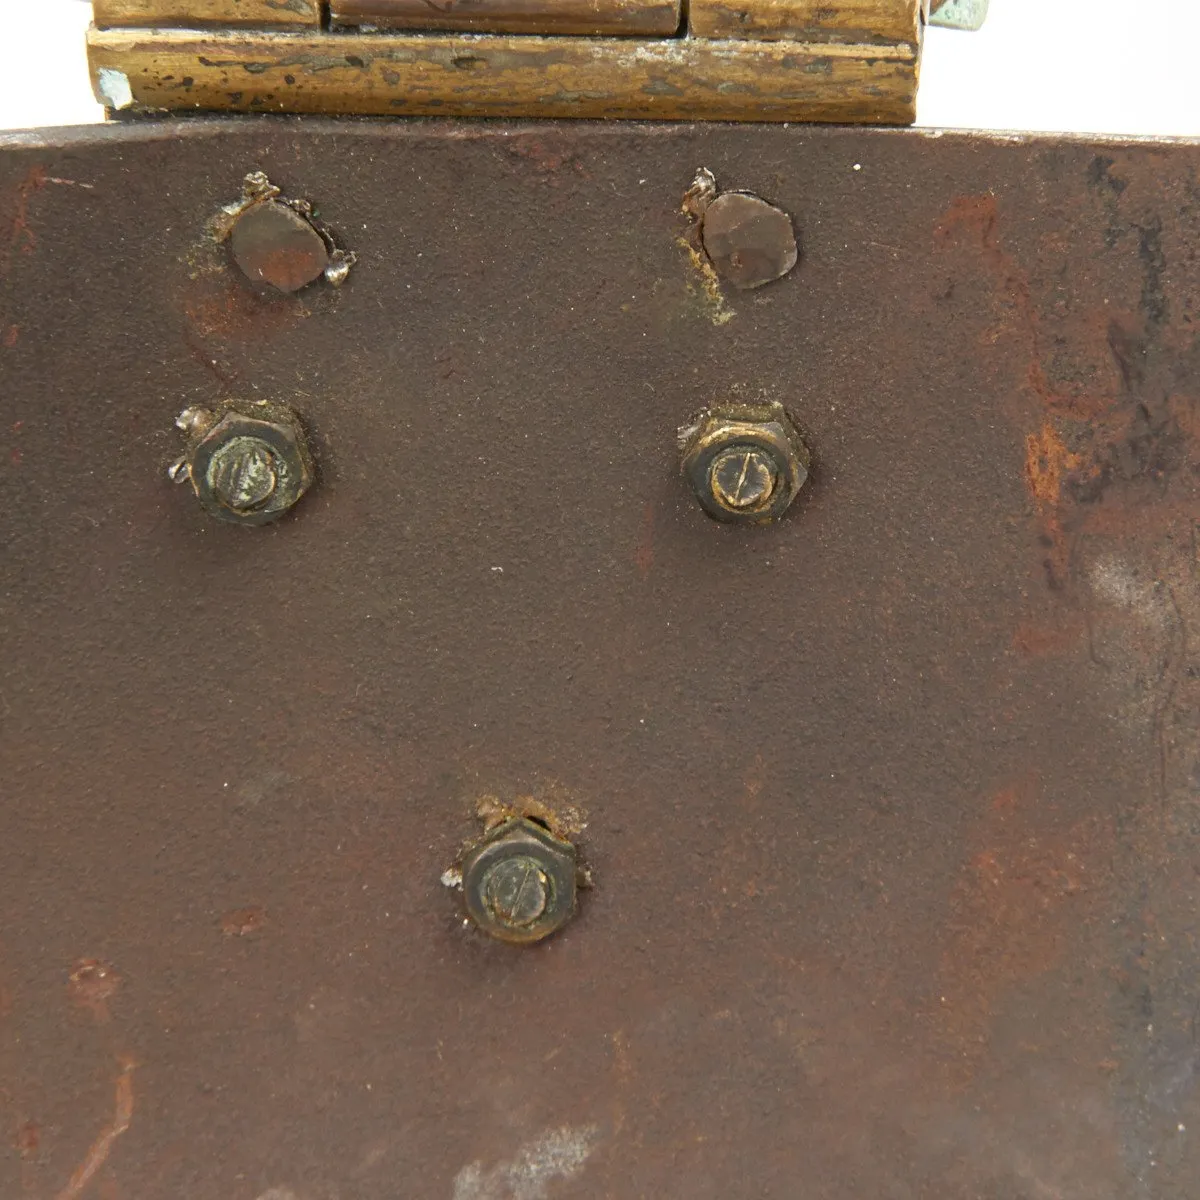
[[519, 883], [276, 247], [749, 242], [248, 463], [745, 463]]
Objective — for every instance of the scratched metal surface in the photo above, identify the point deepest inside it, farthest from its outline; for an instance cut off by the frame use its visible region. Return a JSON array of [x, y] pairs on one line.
[[893, 808]]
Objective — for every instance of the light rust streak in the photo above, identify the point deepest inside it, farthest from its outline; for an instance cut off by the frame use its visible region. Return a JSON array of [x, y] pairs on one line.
[[100, 1149]]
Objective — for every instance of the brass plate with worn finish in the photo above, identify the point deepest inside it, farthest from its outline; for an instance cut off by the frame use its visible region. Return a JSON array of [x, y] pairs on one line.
[[504, 76], [890, 807], [767, 60], [646, 18], [854, 21], [258, 14]]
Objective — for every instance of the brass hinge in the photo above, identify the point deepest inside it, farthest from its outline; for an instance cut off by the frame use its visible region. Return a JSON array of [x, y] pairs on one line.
[[745, 60]]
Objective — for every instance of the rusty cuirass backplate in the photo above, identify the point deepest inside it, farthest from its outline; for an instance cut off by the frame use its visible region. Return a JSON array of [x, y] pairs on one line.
[[889, 808]]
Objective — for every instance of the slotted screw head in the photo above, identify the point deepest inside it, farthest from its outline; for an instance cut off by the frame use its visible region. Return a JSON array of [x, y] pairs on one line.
[[745, 462], [516, 891], [519, 883], [243, 474], [743, 478]]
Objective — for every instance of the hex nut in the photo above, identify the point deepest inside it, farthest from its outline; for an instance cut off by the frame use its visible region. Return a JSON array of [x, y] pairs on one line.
[[520, 882], [248, 463], [746, 463]]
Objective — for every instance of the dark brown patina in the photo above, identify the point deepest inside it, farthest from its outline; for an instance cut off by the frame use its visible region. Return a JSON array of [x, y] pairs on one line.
[[892, 806]]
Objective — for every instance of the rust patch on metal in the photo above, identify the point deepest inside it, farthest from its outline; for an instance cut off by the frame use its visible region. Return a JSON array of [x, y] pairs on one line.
[[1086, 439], [1034, 639], [242, 922], [549, 157], [553, 808], [21, 237], [27, 1141], [1047, 461], [1014, 907], [228, 311], [91, 985], [101, 1148]]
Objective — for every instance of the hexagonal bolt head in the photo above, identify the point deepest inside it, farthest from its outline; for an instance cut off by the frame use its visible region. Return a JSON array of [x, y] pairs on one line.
[[519, 883], [745, 462], [248, 463]]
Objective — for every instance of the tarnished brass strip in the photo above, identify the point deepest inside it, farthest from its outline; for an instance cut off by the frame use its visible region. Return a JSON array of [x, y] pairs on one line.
[[504, 76], [852, 22], [256, 14], [627, 18]]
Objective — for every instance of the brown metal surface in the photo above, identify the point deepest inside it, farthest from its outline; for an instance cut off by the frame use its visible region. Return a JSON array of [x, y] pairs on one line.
[[892, 807]]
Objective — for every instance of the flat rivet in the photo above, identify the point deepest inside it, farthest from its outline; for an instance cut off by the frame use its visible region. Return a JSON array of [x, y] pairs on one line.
[[276, 246], [749, 242]]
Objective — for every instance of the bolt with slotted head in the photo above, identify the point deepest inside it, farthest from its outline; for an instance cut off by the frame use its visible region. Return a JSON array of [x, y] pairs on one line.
[[516, 891], [519, 882], [743, 478], [745, 462], [243, 474], [248, 463]]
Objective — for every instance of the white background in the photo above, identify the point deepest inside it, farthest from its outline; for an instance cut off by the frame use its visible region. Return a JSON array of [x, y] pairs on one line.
[[1086, 66]]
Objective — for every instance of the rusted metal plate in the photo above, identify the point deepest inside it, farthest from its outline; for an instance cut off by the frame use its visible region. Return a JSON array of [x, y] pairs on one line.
[[891, 807]]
